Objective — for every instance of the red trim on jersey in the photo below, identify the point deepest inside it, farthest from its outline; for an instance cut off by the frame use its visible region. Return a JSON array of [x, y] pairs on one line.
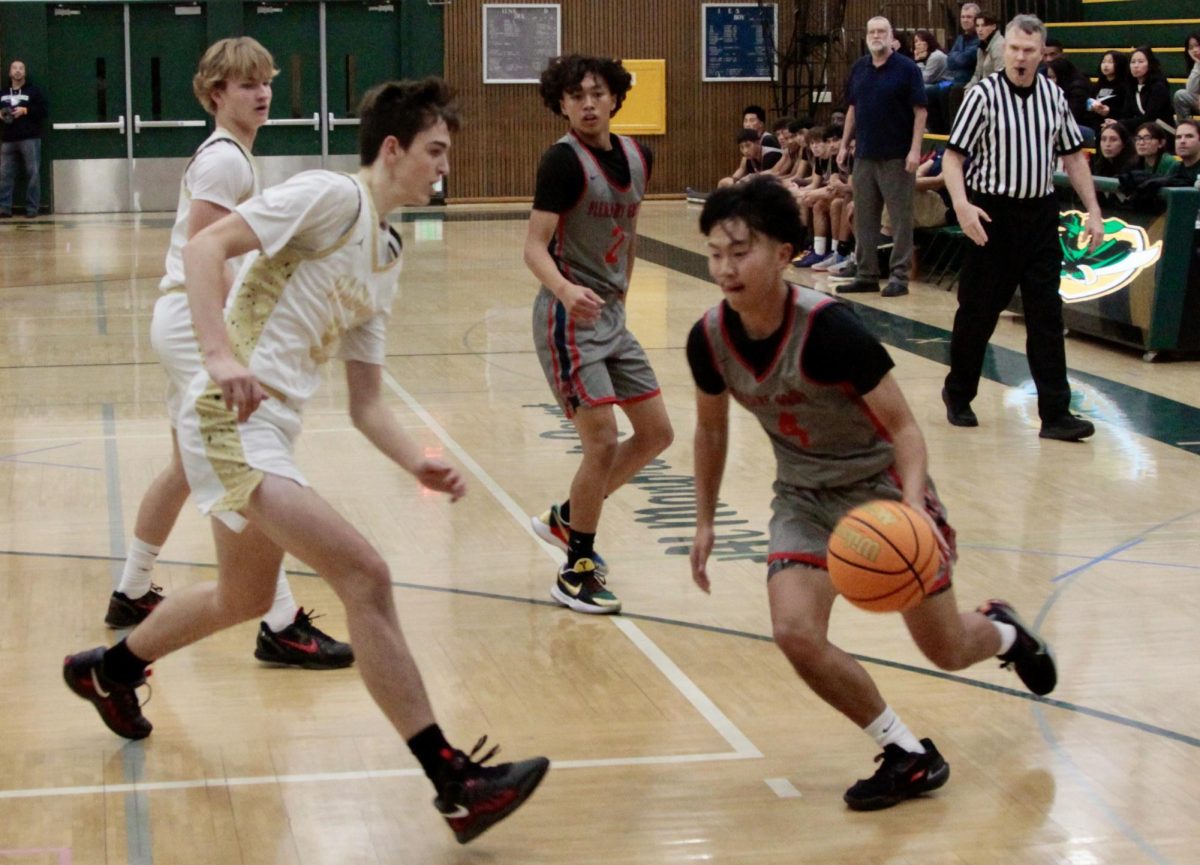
[[712, 349], [640, 397], [576, 379], [600, 167], [800, 558], [559, 388], [853, 396], [787, 333]]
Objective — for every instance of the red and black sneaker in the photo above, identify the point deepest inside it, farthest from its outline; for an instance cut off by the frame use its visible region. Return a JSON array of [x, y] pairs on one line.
[[117, 703], [901, 775], [473, 797], [1030, 655], [126, 612], [302, 644]]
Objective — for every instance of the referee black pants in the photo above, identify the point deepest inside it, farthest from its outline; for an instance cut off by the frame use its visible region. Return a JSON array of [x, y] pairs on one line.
[[1022, 250]]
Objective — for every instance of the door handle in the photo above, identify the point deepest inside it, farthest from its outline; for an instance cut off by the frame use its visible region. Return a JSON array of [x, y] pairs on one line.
[[315, 122], [118, 124], [139, 124], [342, 121]]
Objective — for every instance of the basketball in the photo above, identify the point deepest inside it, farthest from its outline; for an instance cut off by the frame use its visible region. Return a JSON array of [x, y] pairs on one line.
[[882, 555]]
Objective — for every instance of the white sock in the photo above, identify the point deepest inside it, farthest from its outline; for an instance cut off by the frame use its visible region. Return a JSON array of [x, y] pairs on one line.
[[888, 729], [819, 245], [1008, 636], [283, 610], [139, 568]]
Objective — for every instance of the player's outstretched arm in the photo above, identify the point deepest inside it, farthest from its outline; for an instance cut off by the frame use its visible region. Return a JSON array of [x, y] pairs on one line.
[[374, 419], [710, 445]]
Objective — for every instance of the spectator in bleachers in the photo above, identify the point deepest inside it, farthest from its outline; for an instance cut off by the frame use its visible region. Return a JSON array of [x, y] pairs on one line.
[[961, 57], [1116, 153], [755, 157], [901, 44], [1151, 96], [1051, 51], [825, 227], [1187, 100], [1076, 87], [1187, 148], [931, 200], [990, 54], [755, 117], [1152, 153], [785, 165], [1114, 89], [931, 58], [944, 99], [824, 143], [798, 132]]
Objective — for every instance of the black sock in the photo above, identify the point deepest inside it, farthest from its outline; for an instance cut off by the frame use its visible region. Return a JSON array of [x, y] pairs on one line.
[[123, 666], [564, 512], [581, 547], [432, 751], [844, 247]]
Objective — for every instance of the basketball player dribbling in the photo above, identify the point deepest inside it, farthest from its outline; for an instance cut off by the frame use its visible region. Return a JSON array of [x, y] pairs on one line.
[[233, 83], [580, 245], [820, 385]]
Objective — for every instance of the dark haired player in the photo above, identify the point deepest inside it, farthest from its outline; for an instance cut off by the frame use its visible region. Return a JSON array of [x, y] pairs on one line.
[[580, 245], [322, 286], [820, 385]]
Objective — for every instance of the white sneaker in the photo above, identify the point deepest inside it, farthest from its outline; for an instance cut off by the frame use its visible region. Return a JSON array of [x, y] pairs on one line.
[[846, 270], [828, 261]]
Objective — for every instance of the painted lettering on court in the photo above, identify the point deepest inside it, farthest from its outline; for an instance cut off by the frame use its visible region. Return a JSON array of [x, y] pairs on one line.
[[671, 504]]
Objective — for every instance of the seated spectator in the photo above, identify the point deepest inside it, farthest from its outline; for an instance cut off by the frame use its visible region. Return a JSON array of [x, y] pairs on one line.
[[1151, 95], [1151, 143], [961, 57], [932, 60], [901, 44], [755, 117], [825, 143], [1116, 154], [755, 157], [784, 166], [1077, 89], [1187, 148], [795, 151], [1052, 50], [829, 229], [990, 54], [1113, 90], [931, 200], [1187, 100]]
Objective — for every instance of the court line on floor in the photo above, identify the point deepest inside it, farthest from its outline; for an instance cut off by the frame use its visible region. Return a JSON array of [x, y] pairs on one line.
[[719, 721], [140, 788], [1098, 714], [132, 756]]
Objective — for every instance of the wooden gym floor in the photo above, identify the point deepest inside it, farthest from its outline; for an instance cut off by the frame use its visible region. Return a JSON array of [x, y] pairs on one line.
[[678, 731]]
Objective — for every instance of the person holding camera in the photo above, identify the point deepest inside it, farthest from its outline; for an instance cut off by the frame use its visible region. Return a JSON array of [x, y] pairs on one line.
[[22, 110]]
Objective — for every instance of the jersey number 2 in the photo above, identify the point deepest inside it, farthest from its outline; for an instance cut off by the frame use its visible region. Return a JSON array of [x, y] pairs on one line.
[[618, 233]]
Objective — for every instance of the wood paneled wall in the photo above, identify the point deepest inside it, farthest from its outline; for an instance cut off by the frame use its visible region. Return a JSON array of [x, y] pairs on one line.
[[507, 128]]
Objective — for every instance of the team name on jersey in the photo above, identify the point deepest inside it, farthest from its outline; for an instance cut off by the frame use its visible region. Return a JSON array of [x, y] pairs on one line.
[[612, 210], [751, 401]]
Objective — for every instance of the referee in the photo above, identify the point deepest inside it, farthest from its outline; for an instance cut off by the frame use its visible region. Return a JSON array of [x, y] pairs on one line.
[[1012, 126]]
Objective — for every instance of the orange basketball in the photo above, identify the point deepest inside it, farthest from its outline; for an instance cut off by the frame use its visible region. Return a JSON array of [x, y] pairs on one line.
[[882, 555]]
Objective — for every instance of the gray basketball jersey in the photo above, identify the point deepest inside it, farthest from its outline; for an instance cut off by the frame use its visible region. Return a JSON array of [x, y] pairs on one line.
[[593, 239], [823, 434]]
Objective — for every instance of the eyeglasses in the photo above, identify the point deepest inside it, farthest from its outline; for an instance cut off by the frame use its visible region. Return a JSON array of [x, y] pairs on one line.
[[1144, 138]]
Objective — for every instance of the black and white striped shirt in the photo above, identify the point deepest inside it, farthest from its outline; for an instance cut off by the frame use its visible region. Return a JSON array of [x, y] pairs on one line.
[[1013, 136]]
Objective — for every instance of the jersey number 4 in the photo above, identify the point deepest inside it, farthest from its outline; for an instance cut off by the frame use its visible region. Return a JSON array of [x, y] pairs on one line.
[[613, 254], [789, 426]]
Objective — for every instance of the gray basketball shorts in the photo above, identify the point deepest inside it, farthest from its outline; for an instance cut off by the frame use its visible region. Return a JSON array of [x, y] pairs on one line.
[[802, 520], [590, 365]]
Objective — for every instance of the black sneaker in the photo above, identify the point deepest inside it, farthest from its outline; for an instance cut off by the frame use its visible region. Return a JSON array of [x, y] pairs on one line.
[[125, 612], [894, 289], [1030, 655], [901, 775], [859, 286], [584, 590], [117, 704], [302, 644], [472, 797], [1067, 428], [959, 415]]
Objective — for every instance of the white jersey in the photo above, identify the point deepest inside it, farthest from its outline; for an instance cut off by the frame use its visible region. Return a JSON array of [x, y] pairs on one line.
[[221, 172], [322, 287]]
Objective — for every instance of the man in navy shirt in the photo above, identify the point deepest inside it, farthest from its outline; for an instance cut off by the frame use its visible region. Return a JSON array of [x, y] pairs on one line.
[[886, 118]]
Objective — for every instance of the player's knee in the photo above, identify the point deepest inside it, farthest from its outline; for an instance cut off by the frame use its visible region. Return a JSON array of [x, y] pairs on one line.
[[802, 644], [369, 582]]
